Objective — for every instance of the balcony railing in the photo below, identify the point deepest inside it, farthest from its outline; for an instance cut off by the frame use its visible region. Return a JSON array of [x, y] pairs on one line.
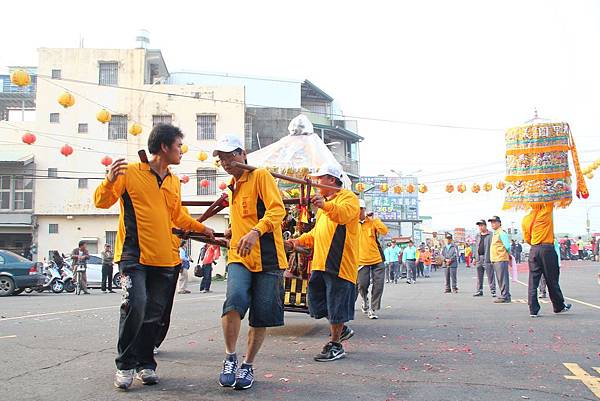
[[350, 166]]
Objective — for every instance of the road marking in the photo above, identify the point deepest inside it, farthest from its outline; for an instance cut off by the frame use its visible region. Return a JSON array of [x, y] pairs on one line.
[[91, 309], [13, 336], [591, 382], [570, 299]]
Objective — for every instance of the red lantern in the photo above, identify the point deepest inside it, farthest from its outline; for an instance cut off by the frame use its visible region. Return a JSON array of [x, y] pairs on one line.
[[185, 179], [461, 188], [28, 138], [449, 188], [204, 183], [66, 150], [222, 186], [106, 161]]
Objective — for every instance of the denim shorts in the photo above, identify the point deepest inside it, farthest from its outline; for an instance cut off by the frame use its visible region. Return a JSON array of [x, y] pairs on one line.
[[331, 297], [261, 292]]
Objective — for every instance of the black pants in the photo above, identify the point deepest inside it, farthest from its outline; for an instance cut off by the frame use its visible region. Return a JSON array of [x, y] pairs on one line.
[[420, 269], [543, 260], [147, 292], [206, 278], [107, 276], [163, 328]]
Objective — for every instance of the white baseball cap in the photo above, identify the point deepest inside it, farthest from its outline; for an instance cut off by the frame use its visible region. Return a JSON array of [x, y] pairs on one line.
[[332, 169], [227, 144], [362, 203]]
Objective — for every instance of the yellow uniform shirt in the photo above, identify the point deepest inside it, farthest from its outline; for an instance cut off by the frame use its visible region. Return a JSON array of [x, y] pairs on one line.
[[538, 226], [335, 236], [149, 209], [256, 203], [369, 252], [498, 251]]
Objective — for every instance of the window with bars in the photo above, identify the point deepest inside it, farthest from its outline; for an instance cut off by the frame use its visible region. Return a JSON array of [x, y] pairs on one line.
[[161, 119], [82, 183], [52, 172], [109, 73], [211, 176], [54, 118], [52, 228], [5, 191], [206, 126], [23, 193], [111, 238], [117, 127], [82, 128], [56, 74]]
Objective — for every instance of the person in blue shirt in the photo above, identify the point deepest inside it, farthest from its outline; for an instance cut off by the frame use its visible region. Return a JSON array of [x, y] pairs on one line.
[[409, 257], [394, 252], [185, 266]]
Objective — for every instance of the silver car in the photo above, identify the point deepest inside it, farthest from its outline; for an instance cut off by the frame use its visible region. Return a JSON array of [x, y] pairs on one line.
[[94, 273]]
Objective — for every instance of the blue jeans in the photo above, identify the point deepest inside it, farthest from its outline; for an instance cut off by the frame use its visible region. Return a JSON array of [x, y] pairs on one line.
[[206, 277], [261, 292]]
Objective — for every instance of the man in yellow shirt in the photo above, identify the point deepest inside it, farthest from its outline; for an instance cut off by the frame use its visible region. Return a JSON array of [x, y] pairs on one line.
[[371, 269], [538, 231], [150, 199], [334, 238], [255, 261]]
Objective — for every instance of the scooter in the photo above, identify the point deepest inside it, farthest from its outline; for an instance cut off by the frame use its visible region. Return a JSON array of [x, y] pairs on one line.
[[53, 280], [67, 278]]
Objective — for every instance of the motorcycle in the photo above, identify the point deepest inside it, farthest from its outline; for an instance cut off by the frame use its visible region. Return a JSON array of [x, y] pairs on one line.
[[52, 282], [67, 278]]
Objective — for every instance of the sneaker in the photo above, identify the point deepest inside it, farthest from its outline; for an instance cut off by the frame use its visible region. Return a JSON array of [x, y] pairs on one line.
[[155, 351], [493, 294], [534, 314], [104, 291], [331, 352], [455, 290], [364, 308], [111, 291], [230, 364], [147, 376], [244, 377], [478, 294], [565, 309], [124, 378], [347, 333], [372, 315], [447, 291], [502, 301]]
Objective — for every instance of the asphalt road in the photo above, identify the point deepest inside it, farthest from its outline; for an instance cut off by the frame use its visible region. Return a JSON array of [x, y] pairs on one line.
[[426, 346]]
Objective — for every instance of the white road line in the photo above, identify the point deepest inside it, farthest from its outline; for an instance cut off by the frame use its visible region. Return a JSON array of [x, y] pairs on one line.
[[13, 336], [570, 299], [91, 309]]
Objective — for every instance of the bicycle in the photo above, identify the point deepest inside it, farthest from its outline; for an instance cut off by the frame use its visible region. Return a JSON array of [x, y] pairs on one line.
[[79, 276]]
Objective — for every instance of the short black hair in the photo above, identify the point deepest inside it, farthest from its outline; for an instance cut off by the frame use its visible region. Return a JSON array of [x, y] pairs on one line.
[[338, 182], [82, 243], [162, 134]]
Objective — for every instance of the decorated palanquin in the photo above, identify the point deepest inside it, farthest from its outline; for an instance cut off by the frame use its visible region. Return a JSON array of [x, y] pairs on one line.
[[537, 166]]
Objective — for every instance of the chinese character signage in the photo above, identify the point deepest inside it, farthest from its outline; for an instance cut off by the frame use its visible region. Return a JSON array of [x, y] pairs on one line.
[[389, 205]]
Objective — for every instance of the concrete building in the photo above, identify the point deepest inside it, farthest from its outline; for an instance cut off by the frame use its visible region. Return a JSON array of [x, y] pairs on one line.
[[271, 104], [47, 197]]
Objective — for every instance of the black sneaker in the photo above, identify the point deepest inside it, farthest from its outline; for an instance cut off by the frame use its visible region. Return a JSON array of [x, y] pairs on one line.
[[244, 377], [478, 294], [230, 364], [331, 352], [534, 314], [493, 294], [447, 291], [347, 333], [565, 309]]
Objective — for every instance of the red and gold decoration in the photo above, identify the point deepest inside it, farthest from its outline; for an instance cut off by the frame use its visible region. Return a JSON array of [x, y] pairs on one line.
[[184, 148], [475, 188], [222, 186], [103, 116], [410, 188], [422, 188], [66, 100], [383, 188], [398, 189], [204, 183], [135, 129], [202, 156], [449, 188], [66, 150], [28, 138], [20, 78], [185, 179], [501, 185], [360, 187], [487, 187], [537, 166], [462, 188], [106, 161]]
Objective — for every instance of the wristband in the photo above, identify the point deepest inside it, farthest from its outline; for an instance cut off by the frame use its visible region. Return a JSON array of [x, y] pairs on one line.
[[257, 231]]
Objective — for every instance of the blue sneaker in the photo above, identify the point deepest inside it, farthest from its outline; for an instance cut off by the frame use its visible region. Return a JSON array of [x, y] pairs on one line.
[[230, 364], [244, 378]]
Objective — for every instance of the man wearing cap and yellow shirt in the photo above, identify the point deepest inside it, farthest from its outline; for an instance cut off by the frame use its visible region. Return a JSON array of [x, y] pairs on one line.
[[255, 261], [500, 257], [334, 239], [371, 270], [538, 231]]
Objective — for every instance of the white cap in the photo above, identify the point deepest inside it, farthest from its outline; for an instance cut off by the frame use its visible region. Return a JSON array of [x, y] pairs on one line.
[[362, 203], [227, 144], [332, 169]]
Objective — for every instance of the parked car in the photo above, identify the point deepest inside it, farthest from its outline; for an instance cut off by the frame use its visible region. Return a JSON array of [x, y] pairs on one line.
[[17, 274], [94, 272]]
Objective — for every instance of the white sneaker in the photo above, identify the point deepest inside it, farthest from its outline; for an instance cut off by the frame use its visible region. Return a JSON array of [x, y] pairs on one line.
[[364, 308], [372, 315], [124, 378], [147, 376], [155, 351]]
